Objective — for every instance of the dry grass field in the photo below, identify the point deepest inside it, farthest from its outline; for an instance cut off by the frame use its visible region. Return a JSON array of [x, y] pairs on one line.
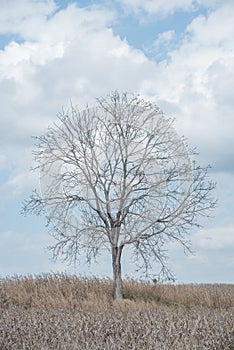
[[67, 312]]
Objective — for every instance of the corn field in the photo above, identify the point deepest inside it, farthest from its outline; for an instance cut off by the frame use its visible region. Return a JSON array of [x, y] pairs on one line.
[[68, 312]]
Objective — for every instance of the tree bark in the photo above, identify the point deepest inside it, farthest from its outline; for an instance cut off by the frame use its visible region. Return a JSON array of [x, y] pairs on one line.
[[116, 264]]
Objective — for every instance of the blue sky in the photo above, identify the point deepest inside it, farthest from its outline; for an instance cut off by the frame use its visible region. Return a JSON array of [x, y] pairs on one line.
[[178, 54]]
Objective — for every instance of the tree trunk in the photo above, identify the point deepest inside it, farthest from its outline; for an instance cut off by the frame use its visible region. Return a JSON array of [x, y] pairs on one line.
[[116, 264]]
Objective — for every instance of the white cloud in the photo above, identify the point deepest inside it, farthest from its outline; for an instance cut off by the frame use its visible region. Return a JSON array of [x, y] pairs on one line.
[[221, 76], [166, 7], [16, 16], [215, 238], [73, 54], [153, 6], [212, 261], [196, 85], [164, 38], [19, 182], [70, 55], [208, 31], [3, 161]]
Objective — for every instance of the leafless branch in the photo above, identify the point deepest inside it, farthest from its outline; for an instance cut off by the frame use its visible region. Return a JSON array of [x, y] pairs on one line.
[[118, 175]]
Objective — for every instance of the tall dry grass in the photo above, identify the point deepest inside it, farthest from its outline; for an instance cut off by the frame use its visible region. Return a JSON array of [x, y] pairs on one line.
[[67, 312]]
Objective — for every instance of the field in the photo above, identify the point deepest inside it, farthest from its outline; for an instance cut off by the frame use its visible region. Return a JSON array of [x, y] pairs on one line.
[[67, 312]]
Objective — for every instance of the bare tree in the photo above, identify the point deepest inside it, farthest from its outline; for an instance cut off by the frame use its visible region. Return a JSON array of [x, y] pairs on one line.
[[117, 175]]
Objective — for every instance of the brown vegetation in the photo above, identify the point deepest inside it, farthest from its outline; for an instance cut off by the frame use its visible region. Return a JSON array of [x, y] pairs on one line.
[[67, 312]]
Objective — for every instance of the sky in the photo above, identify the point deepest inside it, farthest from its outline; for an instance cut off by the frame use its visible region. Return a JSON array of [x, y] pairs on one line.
[[178, 54]]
